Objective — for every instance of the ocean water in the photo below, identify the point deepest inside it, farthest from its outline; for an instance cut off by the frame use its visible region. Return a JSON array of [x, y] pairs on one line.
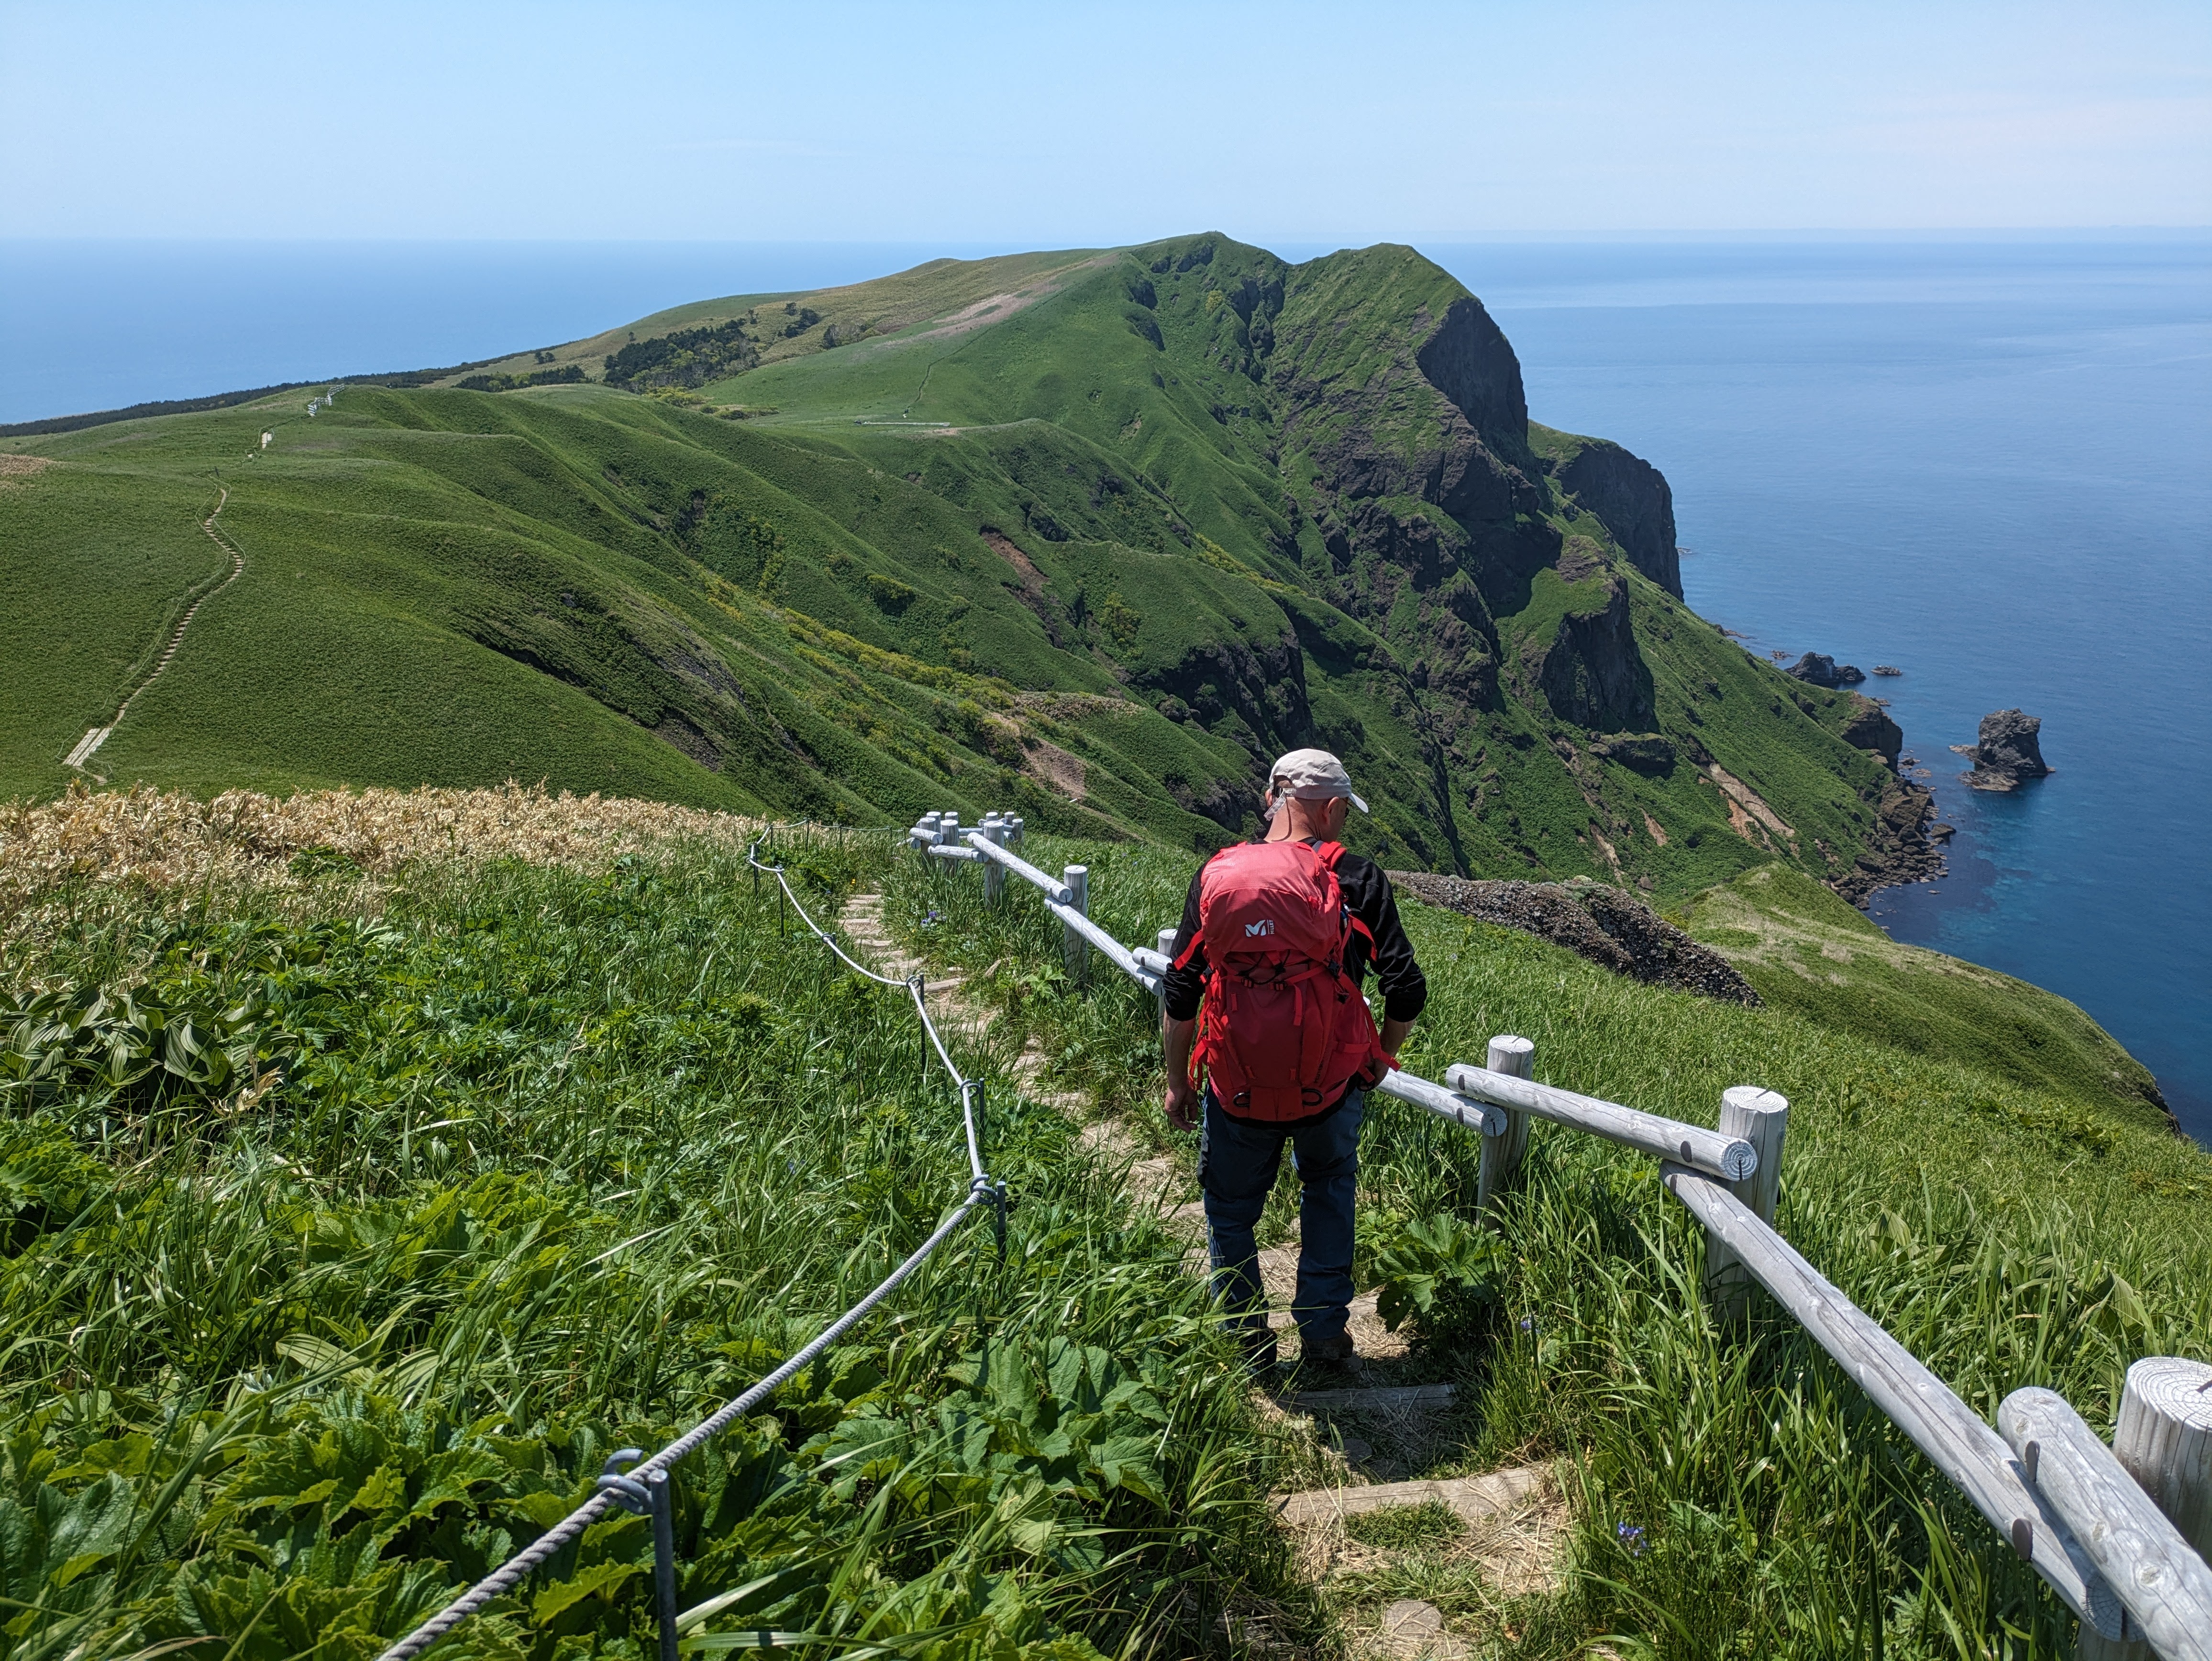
[[98, 325], [1990, 465], [1987, 462]]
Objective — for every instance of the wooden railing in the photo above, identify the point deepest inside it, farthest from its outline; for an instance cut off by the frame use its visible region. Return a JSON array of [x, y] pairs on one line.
[[2118, 1533]]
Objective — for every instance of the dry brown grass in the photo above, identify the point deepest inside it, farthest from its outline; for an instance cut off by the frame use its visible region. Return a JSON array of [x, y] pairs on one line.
[[168, 839]]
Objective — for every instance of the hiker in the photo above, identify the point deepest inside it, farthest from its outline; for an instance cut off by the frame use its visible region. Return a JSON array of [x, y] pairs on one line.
[[1276, 937]]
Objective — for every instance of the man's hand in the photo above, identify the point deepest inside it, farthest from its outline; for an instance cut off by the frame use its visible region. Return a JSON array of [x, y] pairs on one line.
[[1181, 1105]]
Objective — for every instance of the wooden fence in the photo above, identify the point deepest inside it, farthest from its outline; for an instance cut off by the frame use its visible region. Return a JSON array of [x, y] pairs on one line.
[[2120, 1533]]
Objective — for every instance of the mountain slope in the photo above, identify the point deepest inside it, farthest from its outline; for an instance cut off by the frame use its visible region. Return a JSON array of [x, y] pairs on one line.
[[1091, 534]]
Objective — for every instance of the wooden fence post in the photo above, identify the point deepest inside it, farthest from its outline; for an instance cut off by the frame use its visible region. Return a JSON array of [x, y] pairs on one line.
[[1760, 1117], [1501, 1155], [1075, 951], [994, 874], [2164, 1440], [1164, 943]]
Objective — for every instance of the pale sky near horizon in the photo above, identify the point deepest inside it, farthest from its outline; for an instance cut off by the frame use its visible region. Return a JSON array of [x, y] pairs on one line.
[[1078, 123]]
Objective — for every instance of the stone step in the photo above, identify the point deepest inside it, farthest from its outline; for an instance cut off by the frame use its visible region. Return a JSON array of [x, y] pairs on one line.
[[1378, 1398], [1470, 1498], [1414, 1631]]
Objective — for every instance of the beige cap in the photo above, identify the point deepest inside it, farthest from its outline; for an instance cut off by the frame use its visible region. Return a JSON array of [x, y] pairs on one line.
[[1311, 775]]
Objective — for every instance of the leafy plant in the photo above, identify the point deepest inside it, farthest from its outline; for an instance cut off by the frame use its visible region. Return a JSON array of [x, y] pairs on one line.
[[1426, 1259]]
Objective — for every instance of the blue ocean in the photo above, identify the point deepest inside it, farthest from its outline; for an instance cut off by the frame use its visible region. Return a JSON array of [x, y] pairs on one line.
[[1986, 462]]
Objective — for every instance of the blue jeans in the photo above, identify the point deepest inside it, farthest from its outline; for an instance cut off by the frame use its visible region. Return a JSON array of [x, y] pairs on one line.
[[1237, 1167]]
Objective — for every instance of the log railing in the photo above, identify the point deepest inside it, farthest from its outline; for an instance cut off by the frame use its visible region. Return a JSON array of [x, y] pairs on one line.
[[2120, 1534]]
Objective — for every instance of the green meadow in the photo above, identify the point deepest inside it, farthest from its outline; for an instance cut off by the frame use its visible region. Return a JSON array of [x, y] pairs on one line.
[[1096, 566]]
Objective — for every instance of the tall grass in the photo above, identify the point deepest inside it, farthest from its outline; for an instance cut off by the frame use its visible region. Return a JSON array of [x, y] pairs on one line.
[[1737, 1495], [528, 1165]]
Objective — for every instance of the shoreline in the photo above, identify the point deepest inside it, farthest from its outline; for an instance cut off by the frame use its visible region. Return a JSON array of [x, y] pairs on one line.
[[1903, 853]]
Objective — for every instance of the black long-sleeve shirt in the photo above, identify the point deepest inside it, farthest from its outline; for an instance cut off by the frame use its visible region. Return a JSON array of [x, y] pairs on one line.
[[1367, 892]]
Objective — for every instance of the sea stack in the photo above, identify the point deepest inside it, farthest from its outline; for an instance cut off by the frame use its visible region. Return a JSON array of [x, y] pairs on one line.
[[2009, 752]]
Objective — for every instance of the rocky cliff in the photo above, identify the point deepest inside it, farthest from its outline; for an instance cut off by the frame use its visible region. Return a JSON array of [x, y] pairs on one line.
[[1629, 496]]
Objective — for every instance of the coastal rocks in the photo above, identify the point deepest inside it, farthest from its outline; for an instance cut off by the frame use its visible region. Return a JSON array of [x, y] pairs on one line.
[[1870, 728], [1819, 669], [1603, 924], [1900, 850], [2009, 752]]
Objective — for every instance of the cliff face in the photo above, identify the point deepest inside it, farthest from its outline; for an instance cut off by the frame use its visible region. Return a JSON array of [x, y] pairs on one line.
[[1589, 673], [1634, 501]]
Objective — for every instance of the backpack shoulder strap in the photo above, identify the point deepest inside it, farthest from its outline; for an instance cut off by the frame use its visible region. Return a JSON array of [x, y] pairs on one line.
[[1198, 935], [1329, 854]]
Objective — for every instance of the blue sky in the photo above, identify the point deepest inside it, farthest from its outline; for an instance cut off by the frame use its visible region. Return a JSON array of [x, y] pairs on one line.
[[1079, 123]]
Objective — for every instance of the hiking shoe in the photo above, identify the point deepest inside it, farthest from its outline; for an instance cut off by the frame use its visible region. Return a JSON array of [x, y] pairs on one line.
[[1335, 1349]]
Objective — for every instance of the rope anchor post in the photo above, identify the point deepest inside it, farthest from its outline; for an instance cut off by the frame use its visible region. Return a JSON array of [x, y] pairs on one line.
[[650, 1497]]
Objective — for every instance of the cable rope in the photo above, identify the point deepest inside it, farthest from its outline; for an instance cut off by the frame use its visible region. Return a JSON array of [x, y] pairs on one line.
[[983, 1190], [510, 1574], [917, 989]]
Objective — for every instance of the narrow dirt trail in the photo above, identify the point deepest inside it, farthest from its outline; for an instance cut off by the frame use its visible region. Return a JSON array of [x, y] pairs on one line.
[[1516, 1519], [97, 736]]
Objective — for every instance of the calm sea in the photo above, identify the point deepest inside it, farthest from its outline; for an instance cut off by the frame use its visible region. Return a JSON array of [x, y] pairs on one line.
[[1990, 465], [1987, 462]]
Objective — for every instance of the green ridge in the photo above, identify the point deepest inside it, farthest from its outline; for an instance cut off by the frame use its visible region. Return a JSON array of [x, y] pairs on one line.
[[1188, 506]]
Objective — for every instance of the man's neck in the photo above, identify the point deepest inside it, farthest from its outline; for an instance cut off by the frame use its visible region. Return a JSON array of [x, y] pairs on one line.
[[1295, 822]]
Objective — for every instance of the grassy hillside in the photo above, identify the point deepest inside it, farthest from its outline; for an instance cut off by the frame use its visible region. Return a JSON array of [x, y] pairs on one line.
[[1736, 1494], [1808, 952], [370, 1167], [481, 1168], [1093, 534]]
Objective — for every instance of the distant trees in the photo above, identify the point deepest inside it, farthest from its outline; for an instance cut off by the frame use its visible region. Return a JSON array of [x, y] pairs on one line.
[[565, 375], [689, 357]]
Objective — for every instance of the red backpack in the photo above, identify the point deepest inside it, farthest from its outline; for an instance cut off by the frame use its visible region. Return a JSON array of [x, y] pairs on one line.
[[1284, 1029]]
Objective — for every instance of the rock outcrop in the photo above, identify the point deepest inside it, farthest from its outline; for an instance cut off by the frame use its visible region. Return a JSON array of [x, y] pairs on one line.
[[2009, 751], [1647, 753], [1634, 501], [1871, 728], [1603, 924], [1819, 669], [1900, 850], [1589, 673]]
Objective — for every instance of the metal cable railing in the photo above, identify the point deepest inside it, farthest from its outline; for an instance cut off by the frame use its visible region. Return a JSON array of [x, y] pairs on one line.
[[643, 1486]]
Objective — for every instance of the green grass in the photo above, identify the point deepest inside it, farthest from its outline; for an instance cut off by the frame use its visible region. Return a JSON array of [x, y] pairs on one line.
[[801, 614], [525, 1166], [2007, 1232], [1808, 952], [1406, 1528]]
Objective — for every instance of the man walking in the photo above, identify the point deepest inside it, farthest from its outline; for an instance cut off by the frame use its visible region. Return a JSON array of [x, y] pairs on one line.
[[1276, 938]]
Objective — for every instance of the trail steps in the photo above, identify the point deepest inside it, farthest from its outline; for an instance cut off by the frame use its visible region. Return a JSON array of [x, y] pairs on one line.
[[95, 737], [1516, 1518]]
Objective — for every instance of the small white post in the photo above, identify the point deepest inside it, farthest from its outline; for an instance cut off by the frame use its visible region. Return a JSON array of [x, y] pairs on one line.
[[1502, 1155], [1075, 951], [2164, 1440], [1021, 829], [948, 828], [994, 874], [1760, 1117], [1164, 943]]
